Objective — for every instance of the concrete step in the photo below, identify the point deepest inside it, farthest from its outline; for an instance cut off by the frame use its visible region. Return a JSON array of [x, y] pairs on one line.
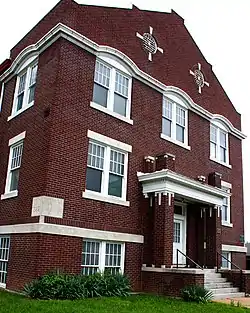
[[218, 285], [212, 275], [209, 270], [225, 290], [208, 280], [219, 296]]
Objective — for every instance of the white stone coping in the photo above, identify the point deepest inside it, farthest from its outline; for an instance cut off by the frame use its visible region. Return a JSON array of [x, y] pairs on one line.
[[173, 270], [233, 248]]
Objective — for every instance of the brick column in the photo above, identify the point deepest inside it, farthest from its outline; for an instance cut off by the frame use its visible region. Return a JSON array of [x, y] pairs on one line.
[[213, 237], [163, 231]]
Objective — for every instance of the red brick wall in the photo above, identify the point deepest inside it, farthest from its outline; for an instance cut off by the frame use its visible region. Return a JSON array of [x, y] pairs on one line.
[[169, 284], [32, 255]]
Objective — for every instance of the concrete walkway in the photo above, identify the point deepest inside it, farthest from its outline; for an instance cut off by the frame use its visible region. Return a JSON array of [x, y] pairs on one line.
[[244, 302]]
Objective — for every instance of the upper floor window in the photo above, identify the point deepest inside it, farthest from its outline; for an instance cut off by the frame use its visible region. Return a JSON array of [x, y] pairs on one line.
[[226, 207], [15, 160], [174, 122], [112, 91], [219, 150], [25, 90]]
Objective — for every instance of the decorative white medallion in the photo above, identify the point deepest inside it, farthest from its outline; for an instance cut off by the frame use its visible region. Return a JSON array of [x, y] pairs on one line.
[[149, 43], [199, 77]]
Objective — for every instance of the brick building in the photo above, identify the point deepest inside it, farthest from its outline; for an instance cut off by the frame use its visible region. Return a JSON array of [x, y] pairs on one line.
[[118, 148]]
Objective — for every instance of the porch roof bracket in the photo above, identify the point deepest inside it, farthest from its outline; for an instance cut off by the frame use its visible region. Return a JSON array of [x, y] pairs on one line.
[[169, 183]]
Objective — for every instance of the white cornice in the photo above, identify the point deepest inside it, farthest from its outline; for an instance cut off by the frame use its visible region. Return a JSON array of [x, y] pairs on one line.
[[168, 182], [61, 30]]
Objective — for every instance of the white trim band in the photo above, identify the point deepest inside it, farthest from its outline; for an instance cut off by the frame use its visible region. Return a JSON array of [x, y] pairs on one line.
[[17, 138], [109, 141], [61, 30], [231, 248], [71, 231]]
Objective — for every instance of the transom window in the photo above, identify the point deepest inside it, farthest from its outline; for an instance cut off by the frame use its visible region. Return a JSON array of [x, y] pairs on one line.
[[112, 89], [4, 257], [106, 170], [100, 256], [219, 144], [174, 121], [25, 89], [225, 209]]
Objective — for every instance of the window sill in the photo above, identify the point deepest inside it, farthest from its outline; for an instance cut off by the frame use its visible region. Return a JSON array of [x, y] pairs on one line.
[[2, 285], [99, 197], [8, 195], [222, 163], [226, 224], [20, 111], [114, 114], [176, 142]]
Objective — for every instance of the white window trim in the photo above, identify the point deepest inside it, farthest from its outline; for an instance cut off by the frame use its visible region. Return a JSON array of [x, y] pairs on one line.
[[25, 68], [229, 258], [102, 253], [173, 123], [219, 127], [11, 194], [229, 187], [1, 96], [115, 66], [123, 147]]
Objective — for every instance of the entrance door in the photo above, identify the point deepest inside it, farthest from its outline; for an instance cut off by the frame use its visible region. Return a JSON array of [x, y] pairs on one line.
[[179, 241]]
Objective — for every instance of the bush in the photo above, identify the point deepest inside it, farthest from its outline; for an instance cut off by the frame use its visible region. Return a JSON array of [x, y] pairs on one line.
[[196, 294], [64, 286]]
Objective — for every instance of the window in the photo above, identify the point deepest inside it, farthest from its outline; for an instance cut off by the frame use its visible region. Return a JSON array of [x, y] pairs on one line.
[[112, 90], [225, 209], [100, 256], [174, 122], [106, 170], [4, 257], [25, 89], [225, 258], [219, 144], [177, 232], [15, 160]]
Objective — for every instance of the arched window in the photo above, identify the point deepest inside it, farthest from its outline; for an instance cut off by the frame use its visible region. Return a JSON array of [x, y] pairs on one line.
[[219, 148], [112, 88], [175, 120]]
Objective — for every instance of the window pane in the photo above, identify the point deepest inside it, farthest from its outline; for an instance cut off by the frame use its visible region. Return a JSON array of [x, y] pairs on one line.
[[33, 75], [113, 258], [100, 95], [180, 116], [93, 179], [17, 151], [121, 84], [4, 256], [116, 162], [213, 134], [14, 179], [223, 154], [212, 150], [90, 257], [20, 101], [167, 108], [177, 232], [224, 262], [32, 93], [180, 133], [120, 104], [22, 82], [224, 216], [102, 74], [115, 185], [96, 156], [166, 127], [223, 139]]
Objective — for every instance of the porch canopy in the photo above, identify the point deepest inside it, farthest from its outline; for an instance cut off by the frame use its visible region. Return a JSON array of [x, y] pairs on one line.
[[170, 183]]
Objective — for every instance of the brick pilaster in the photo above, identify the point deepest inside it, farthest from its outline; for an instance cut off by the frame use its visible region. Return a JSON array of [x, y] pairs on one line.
[[163, 231]]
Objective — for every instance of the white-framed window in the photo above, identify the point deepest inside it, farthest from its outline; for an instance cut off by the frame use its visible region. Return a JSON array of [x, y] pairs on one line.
[[4, 258], [219, 148], [14, 165], [174, 122], [225, 258], [101, 256], [25, 89], [226, 207], [112, 89]]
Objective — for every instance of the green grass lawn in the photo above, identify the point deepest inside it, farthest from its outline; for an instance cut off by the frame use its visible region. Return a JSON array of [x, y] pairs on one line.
[[12, 303]]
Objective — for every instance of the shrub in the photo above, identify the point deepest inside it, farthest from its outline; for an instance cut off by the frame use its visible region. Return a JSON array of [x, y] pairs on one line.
[[196, 294], [64, 286]]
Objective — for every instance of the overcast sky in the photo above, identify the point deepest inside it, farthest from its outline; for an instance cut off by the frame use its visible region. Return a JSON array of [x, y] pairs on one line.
[[220, 28]]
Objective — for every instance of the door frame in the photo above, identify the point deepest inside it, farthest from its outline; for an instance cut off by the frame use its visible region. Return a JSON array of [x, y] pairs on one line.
[[183, 218]]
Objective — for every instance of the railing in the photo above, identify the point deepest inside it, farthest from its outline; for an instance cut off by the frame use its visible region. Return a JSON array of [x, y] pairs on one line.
[[187, 257], [217, 266]]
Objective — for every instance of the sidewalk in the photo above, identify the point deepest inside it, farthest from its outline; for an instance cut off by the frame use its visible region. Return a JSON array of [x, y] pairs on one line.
[[244, 302]]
